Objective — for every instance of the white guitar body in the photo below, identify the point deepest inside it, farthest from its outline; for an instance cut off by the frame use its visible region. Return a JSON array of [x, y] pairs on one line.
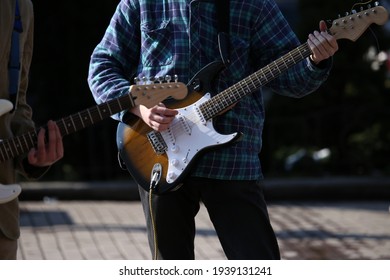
[[7, 192], [5, 106], [194, 135]]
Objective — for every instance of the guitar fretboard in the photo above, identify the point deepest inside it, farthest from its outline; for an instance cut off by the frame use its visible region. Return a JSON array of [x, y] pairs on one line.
[[19, 145], [231, 95]]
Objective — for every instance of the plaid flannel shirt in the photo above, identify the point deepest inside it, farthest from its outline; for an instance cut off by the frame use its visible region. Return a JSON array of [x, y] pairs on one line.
[[155, 38]]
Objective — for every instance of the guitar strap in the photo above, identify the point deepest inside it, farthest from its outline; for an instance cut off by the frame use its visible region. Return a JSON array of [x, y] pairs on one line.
[[222, 9], [14, 58]]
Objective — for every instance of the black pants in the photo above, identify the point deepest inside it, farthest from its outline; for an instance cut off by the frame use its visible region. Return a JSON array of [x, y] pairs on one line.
[[237, 210]]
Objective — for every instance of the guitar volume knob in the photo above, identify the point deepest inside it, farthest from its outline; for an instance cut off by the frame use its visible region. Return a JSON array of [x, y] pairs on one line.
[[175, 149]]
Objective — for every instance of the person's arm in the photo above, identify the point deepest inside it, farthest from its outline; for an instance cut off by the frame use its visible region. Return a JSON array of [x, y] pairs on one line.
[[45, 154], [115, 59], [273, 38]]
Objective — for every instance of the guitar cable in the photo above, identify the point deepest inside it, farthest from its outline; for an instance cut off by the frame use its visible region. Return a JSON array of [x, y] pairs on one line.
[[153, 183], [153, 224]]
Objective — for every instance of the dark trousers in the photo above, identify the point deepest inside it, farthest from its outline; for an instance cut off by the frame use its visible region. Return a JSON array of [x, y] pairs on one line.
[[237, 210], [8, 248]]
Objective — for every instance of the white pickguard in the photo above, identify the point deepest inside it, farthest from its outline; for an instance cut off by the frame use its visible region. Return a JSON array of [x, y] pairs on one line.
[[187, 136], [7, 192]]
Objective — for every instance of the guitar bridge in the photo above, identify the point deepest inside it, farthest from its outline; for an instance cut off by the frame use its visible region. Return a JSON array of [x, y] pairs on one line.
[[156, 140]]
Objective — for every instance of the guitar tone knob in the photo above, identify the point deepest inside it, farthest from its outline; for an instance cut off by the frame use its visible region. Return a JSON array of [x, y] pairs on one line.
[[175, 149], [172, 176], [174, 162]]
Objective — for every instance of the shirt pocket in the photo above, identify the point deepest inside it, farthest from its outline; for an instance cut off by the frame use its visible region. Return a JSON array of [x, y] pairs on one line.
[[156, 45]]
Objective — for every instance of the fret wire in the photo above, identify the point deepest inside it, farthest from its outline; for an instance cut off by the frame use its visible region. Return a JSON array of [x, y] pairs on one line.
[[65, 131], [2, 152], [7, 148], [12, 147], [69, 124], [86, 118], [77, 121], [109, 109], [19, 144], [25, 145], [104, 111], [100, 114], [94, 114], [270, 71], [254, 81], [31, 137], [90, 116], [72, 123], [81, 120], [285, 64], [119, 105]]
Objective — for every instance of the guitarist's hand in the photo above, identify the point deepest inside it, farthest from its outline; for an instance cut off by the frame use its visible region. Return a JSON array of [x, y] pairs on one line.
[[158, 117], [322, 44], [47, 152]]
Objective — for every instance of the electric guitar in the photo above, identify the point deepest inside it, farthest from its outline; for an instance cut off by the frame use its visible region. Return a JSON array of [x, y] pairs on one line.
[[159, 161], [148, 94]]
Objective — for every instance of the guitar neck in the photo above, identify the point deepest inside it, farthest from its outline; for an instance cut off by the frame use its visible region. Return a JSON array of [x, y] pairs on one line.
[[19, 145], [88, 117], [233, 94], [349, 27]]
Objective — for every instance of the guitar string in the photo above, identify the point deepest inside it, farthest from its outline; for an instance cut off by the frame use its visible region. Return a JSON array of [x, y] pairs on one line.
[[295, 55], [281, 64], [257, 83], [216, 101], [10, 148], [69, 122], [255, 79]]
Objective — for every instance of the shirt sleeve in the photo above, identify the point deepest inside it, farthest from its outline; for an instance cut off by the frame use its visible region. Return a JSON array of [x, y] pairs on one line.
[[273, 37], [114, 61]]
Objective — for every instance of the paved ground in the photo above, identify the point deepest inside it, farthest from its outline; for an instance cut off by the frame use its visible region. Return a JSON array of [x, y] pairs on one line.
[[54, 229]]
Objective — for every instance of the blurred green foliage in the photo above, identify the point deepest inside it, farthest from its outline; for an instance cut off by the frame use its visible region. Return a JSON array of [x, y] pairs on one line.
[[348, 115]]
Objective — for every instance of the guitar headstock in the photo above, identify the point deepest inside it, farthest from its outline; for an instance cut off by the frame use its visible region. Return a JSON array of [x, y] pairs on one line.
[[149, 92], [355, 23]]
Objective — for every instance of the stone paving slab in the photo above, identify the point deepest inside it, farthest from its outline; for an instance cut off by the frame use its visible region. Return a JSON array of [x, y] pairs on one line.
[[115, 230]]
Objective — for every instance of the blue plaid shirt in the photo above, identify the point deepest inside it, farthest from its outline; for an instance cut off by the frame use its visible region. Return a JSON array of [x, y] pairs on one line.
[[154, 38]]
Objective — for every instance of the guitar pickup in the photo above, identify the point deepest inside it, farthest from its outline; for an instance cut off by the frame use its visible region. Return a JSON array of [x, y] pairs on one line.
[[182, 120], [157, 141]]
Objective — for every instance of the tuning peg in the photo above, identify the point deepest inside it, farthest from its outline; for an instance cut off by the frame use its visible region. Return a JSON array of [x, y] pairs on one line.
[[168, 78], [160, 79], [176, 78], [376, 4]]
